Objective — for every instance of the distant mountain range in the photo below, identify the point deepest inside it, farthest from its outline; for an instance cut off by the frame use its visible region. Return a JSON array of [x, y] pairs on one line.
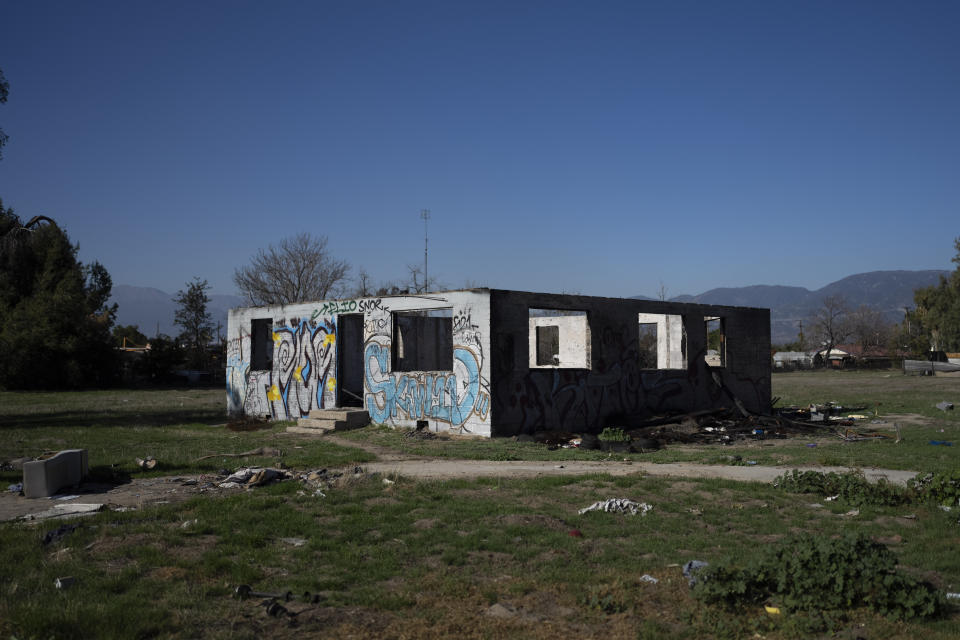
[[152, 309], [887, 291]]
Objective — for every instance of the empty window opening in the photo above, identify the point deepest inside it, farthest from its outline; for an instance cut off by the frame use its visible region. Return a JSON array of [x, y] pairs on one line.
[[559, 338], [548, 345], [662, 341], [261, 344], [423, 340], [716, 342]]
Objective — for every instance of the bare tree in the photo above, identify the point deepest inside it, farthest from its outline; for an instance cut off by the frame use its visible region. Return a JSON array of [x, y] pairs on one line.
[[869, 328], [416, 284], [299, 269], [830, 325]]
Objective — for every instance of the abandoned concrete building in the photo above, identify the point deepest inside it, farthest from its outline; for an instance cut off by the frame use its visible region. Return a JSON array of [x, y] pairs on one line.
[[497, 363]]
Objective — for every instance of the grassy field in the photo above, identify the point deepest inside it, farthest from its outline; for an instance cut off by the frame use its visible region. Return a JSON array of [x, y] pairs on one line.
[[390, 557]]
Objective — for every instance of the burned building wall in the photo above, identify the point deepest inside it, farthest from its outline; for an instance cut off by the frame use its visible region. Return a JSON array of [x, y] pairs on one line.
[[616, 387]]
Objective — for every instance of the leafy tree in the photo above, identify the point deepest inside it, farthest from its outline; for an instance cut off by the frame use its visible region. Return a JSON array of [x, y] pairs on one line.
[[54, 317], [195, 320], [299, 269], [128, 335], [830, 325], [937, 314]]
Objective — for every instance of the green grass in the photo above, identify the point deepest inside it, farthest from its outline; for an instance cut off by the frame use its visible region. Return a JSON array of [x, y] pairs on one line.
[[428, 558], [174, 426]]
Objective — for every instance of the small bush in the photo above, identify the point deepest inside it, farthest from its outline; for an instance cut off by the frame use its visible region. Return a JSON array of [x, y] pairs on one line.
[[810, 574], [853, 488], [938, 488], [613, 434]]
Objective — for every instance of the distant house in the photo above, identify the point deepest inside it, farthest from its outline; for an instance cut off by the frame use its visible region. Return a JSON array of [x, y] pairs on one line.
[[837, 358], [790, 360]]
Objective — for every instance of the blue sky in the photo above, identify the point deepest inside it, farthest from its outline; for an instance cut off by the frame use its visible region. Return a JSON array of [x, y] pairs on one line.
[[602, 148]]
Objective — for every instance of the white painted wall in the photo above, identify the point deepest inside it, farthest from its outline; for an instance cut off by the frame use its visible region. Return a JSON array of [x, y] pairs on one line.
[[303, 375]]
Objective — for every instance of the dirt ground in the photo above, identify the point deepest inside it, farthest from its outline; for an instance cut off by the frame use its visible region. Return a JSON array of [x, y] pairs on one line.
[[143, 492]]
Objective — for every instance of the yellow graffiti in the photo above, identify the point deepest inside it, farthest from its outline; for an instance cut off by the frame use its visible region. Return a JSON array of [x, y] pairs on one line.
[[276, 338], [297, 374], [329, 340], [332, 384], [274, 394]]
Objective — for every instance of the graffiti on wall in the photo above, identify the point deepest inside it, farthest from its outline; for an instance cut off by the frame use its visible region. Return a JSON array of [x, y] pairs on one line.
[[613, 390], [238, 367], [303, 373], [451, 397], [574, 399], [348, 306]]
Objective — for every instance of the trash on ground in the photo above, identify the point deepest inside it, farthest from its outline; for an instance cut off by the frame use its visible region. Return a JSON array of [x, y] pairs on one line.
[[691, 569], [575, 533], [648, 578], [65, 511], [266, 452], [60, 532], [618, 505], [953, 596], [295, 542], [941, 443], [831, 498], [254, 477], [188, 523], [851, 514], [945, 406], [245, 591], [146, 463], [64, 583], [15, 488], [774, 611]]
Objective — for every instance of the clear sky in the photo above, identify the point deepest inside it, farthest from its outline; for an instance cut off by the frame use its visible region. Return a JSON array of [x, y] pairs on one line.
[[595, 147]]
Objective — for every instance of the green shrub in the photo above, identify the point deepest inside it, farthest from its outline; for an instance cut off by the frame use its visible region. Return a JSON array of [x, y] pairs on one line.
[[938, 488], [807, 574], [853, 488], [613, 434]]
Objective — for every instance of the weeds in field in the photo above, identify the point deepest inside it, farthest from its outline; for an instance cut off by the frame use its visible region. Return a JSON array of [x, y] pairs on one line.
[[813, 574]]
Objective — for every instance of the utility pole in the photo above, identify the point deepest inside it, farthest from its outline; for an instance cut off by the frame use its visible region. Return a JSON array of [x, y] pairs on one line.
[[425, 215]]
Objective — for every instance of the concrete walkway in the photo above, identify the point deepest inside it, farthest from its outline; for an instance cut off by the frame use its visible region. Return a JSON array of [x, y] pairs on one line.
[[390, 462]]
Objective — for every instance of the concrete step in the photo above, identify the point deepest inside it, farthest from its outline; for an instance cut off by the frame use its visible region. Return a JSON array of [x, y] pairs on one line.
[[318, 424], [354, 417]]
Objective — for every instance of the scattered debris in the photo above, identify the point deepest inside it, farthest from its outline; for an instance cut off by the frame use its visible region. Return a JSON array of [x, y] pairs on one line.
[[618, 505], [945, 406], [15, 488], [953, 596], [295, 542], [691, 569], [266, 452], [774, 611], [188, 523], [575, 533], [648, 578], [64, 583], [244, 591], [56, 534], [851, 514], [254, 477], [65, 511], [146, 463], [942, 443]]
